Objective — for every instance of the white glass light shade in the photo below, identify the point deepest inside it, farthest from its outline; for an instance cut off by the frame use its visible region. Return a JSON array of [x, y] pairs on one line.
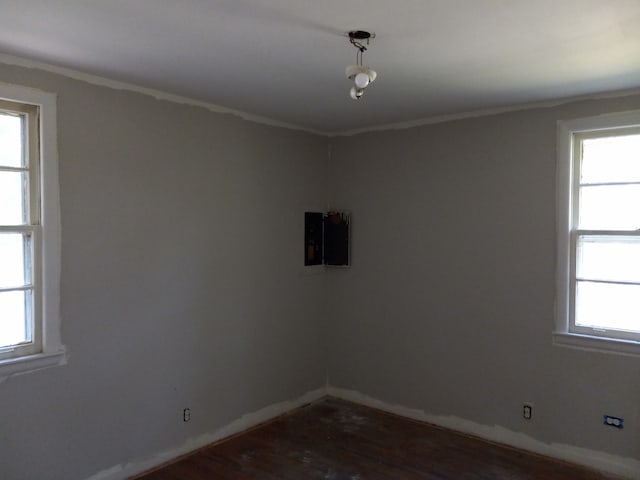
[[352, 70], [372, 74]]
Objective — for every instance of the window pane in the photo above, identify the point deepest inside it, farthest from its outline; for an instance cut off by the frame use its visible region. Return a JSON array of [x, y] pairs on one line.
[[15, 260], [12, 198], [608, 306], [611, 159], [14, 326], [11, 141], [610, 207], [609, 258]]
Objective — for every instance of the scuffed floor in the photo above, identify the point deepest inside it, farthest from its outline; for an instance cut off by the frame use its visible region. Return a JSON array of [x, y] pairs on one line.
[[338, 440]]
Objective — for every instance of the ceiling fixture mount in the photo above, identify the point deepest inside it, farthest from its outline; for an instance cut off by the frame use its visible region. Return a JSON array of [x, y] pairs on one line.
[[361, 76]]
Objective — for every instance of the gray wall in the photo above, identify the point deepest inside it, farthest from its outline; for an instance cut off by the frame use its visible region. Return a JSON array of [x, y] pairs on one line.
[[181, 284], [448, 306]]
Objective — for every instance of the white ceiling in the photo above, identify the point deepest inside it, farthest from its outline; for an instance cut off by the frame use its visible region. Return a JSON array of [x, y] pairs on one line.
[[285, 59]]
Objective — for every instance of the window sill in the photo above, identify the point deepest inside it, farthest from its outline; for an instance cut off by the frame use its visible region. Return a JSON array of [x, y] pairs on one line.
[[597, 344], [31, 363]]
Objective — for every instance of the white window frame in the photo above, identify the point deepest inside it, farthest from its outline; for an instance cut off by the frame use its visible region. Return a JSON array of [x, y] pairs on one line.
[[566, 333], [46, 242]]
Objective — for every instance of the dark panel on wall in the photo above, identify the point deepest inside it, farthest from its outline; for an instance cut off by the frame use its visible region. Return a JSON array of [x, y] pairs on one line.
[[336, 239], [312, 238]]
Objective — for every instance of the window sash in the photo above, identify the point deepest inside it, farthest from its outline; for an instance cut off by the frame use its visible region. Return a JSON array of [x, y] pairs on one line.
[[575, 233], [31, 167], [575, 280], [45, 212]]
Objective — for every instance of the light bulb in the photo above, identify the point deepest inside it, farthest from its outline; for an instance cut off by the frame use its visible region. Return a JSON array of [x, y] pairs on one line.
[[361, 80], [356, 93]]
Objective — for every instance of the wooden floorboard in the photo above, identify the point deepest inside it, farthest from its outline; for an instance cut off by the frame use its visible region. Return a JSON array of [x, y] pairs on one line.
[[338, 440]]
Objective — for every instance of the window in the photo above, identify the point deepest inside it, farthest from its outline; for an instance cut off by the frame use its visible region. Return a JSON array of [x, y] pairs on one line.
[[29, 232], [599, 233]]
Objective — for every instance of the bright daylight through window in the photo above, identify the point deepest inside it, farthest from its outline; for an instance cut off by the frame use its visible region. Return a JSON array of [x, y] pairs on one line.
[[19, 223], [599, 229], [29, 233]]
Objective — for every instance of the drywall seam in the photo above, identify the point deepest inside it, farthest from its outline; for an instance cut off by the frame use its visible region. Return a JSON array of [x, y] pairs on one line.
[[157, 94], [606, 462], [123, 471]]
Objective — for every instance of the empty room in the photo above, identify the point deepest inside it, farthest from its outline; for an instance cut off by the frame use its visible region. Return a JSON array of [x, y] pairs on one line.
[[353, 240]]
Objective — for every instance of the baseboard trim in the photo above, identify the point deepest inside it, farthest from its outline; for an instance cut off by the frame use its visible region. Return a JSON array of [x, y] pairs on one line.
[[604, 462], [124, 471]]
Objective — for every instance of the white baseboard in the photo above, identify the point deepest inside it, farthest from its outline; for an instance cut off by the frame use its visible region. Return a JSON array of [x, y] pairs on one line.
[[124, 471], [605, 462]]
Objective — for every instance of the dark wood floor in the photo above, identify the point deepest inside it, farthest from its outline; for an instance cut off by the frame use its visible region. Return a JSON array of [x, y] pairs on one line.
[[333, 439]]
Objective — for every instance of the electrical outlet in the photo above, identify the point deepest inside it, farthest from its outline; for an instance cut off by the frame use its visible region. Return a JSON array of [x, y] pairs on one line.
[[186, 414], [527, 411], [615, 422]]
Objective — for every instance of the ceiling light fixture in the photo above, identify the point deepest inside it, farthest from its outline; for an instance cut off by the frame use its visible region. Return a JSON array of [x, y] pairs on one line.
[[361, 75]]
